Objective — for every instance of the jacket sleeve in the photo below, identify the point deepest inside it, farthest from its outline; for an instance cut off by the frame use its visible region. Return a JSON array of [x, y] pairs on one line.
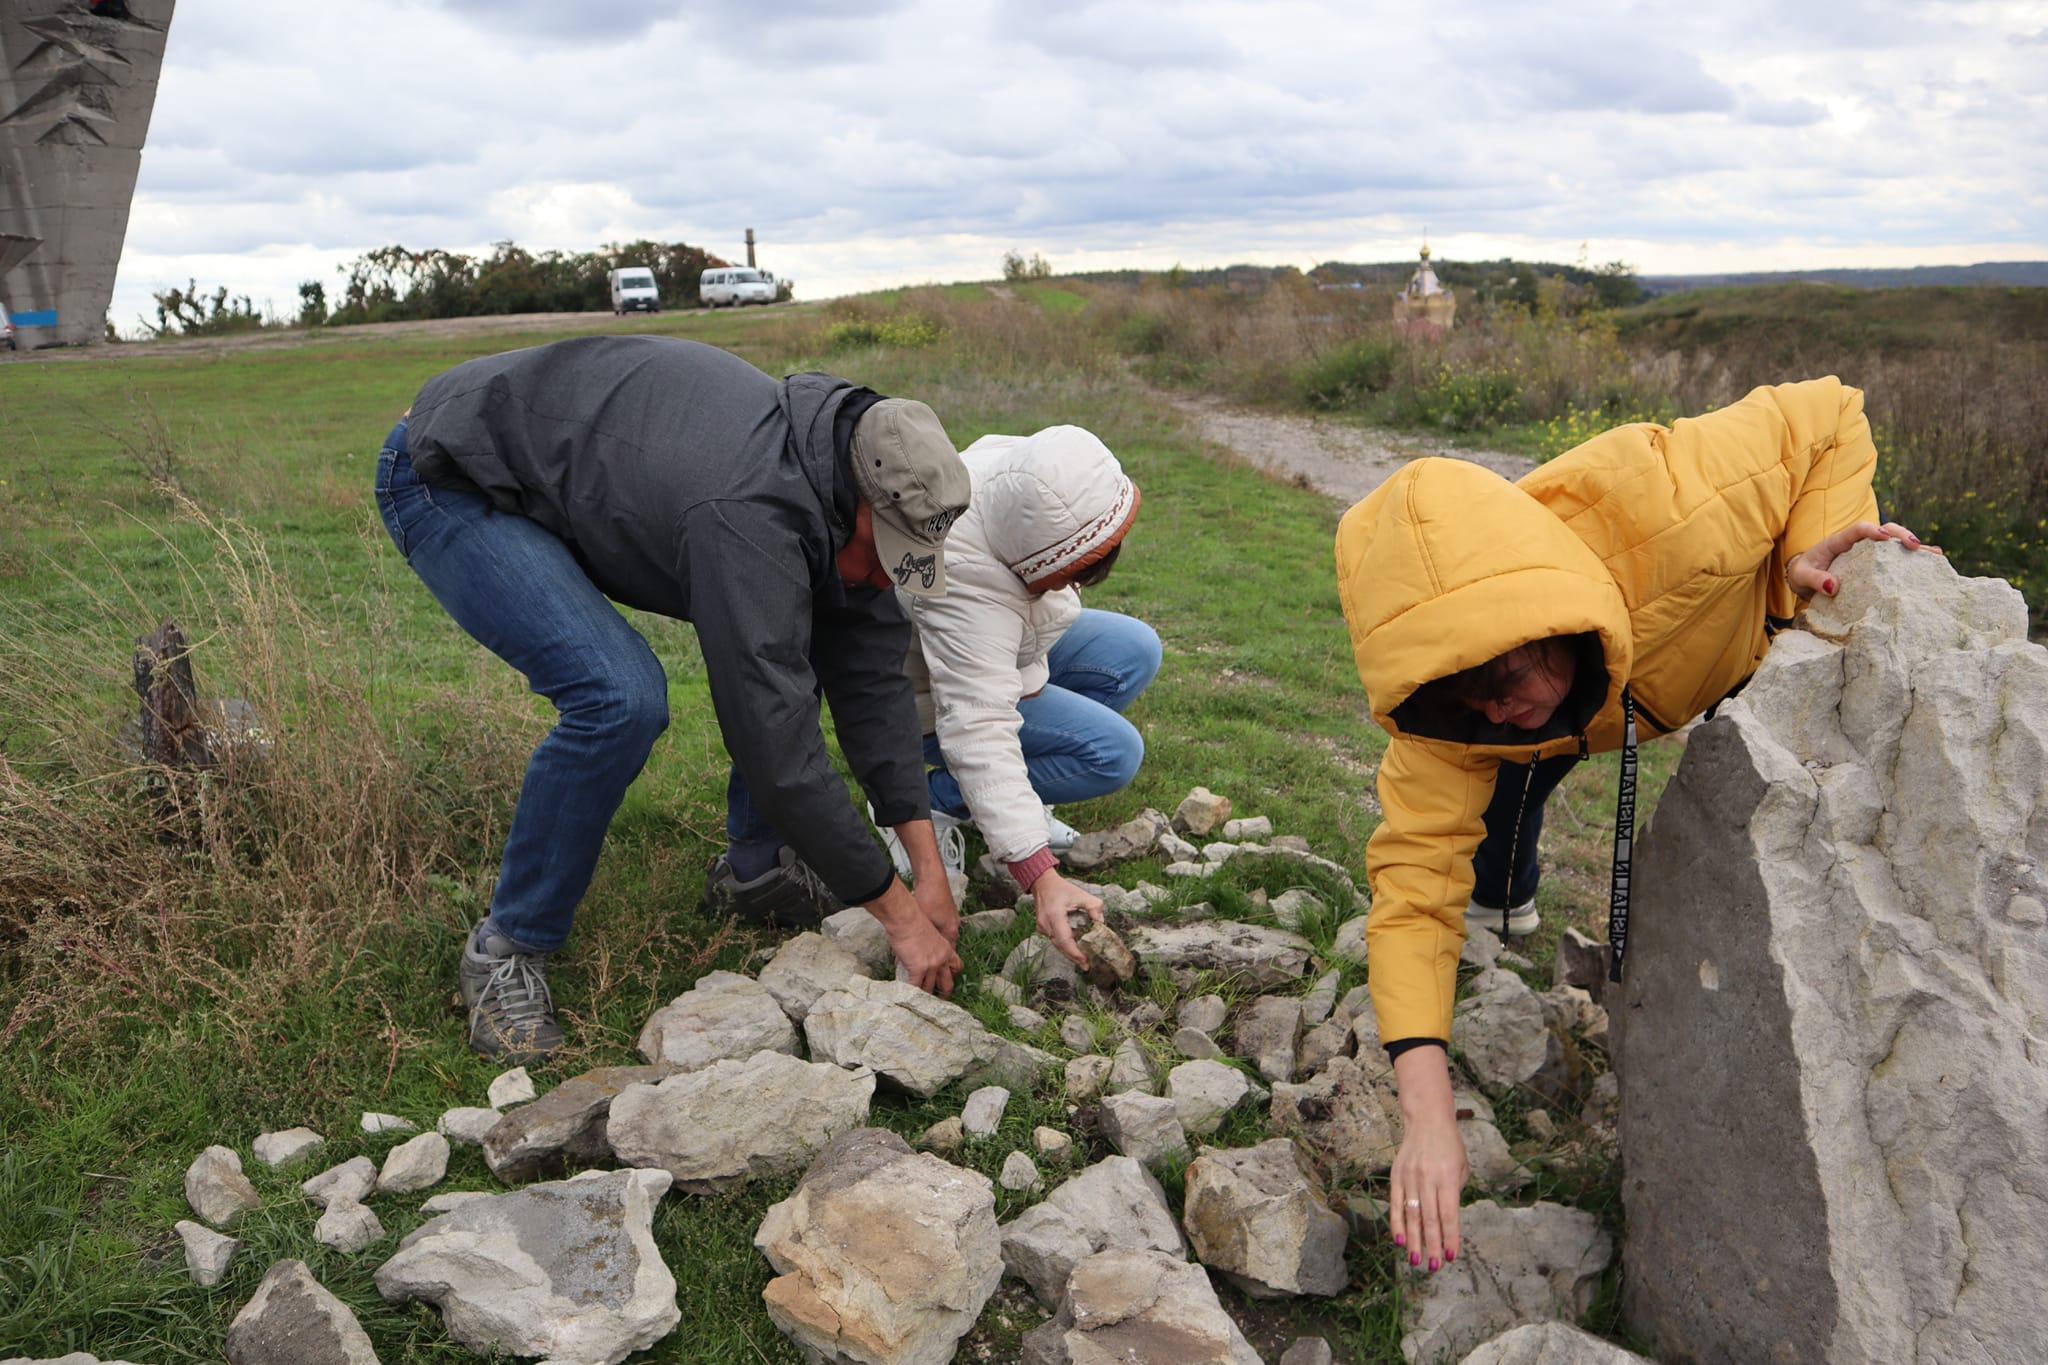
[[1831, 460], [857, 649], [970, 644], [751, 602], [1419, 862]]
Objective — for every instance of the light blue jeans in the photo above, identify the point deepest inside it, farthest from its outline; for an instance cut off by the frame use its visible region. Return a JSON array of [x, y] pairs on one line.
[[1076, 744], [514, 585]]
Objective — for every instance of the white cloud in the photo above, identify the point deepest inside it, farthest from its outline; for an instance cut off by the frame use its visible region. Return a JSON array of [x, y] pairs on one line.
[[869, 145]]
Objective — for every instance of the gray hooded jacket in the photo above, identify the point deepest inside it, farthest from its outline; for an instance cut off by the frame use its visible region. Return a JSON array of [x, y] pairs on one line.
[[688, 483]]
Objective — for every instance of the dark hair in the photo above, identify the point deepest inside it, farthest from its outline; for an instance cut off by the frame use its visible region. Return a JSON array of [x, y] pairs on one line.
[[1443, 707], [1093, 575]]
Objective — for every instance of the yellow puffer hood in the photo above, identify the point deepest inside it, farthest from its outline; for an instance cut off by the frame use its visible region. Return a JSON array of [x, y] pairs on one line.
[[1447, 565]]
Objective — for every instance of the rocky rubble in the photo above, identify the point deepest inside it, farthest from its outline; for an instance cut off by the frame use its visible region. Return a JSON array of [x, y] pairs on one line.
[[1189, 1027]]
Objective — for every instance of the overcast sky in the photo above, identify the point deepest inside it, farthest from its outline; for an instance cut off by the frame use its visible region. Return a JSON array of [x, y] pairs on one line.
[[901, 141]]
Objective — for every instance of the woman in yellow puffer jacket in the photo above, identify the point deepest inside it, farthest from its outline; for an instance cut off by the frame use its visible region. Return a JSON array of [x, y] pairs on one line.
[[1503, 631]]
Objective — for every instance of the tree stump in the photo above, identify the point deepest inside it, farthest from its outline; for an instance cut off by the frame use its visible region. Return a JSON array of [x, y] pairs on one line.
[[174, 731]]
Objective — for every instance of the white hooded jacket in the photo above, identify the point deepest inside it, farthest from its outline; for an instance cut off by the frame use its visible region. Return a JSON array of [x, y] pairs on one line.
[[1043, 505]]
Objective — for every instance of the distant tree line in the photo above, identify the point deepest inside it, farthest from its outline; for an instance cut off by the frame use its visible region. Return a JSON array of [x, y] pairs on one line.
[[393, 284]]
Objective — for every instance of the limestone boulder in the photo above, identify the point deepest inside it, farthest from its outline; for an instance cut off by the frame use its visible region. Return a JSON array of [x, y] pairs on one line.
[[566, 1269], [563, 1128], [881, 1253], [207, 1253], [913, 1040], [1138, 1306], [1204, 1093], [1837, 955], [1132, 839], [725, 1016], [1259, 1216], [292, 1319], [715, 1128], [1144, 1127], [292, 1144], [1508, 1043], [352, 1180], [862, 935], [1039, 967], [414, 1164], [1551, 1343], [1348, 1113], [1200, 813], [805, 969], [1116, 1203], [1269, 1035], [1254, 955], [1536, 1264]]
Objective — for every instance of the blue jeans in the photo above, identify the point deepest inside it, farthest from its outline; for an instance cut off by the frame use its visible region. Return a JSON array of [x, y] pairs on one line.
[[514, 585], [1076, 744], [1504, 870]]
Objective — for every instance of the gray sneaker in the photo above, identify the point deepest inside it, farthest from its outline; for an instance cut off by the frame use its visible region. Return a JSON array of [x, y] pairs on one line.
[[789, 895], [511, 1013]]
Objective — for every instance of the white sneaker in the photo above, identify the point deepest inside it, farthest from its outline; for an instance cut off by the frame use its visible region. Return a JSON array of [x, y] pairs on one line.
[[898, 854], [1522, 919], [1059, 835], [952, 834]]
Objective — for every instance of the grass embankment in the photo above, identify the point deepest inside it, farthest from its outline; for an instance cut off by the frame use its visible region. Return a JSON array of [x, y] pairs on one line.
[[283, 951]]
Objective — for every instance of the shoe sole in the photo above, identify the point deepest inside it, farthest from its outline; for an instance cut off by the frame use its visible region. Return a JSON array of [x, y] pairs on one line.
[[1519, 925]]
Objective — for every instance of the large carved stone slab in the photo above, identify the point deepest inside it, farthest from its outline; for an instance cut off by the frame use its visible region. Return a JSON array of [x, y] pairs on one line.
[[1830, 1032]]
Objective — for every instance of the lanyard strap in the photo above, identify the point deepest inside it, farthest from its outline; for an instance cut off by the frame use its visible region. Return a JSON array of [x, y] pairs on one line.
[[1624, 840]]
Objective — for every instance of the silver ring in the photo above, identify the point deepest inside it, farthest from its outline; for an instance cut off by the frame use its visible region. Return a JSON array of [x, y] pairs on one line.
[[1415, 1203]]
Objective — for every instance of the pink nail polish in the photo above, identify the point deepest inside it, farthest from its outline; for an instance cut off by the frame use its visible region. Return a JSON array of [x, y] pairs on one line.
[[1414, 1258], [1829, 586], [1400, 1239], [1433, 1266], [1450, 1256]]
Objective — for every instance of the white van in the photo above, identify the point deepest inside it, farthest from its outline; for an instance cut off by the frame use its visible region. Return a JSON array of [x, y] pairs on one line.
[[633, 290], [735, 285]]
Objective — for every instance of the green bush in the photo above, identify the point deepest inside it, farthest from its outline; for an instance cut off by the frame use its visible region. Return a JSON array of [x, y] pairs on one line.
[[1345, 376], [1144, 334], [908, 331], [1467, 400]]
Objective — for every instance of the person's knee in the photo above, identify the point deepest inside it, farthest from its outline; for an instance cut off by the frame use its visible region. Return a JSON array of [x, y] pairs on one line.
[[1147, 653], [629, 710], [1122, 754]]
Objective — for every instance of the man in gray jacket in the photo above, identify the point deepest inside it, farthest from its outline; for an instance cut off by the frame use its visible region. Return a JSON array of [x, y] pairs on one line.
[[531, 491]]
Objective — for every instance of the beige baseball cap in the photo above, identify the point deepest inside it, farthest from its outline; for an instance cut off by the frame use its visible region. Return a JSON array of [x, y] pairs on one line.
[[914, 480]]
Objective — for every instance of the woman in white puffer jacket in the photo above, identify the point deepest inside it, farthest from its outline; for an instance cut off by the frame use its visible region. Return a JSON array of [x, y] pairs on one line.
[[1020, 688]]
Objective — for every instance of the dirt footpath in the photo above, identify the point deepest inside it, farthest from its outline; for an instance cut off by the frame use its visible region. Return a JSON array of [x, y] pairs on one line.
[[1337, 459]]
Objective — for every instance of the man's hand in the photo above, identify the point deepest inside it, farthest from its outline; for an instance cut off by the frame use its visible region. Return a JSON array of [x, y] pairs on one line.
[[1053, 896], [926, 954], [931, 887], [1809, 571]]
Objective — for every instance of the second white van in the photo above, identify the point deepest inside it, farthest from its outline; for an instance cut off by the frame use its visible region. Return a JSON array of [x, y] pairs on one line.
[[733, 285], [633, 290]]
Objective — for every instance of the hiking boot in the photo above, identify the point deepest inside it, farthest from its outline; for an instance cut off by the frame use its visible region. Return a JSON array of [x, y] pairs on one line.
[[511, 1012], [1520, 920], [787, 896], [1059, 835]]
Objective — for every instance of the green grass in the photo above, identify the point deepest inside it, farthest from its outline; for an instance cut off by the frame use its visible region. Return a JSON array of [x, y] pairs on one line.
[[293, 962]]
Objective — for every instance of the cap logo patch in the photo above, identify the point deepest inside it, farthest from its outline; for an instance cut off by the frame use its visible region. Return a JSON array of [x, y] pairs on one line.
[[940, 523], [923, 567]]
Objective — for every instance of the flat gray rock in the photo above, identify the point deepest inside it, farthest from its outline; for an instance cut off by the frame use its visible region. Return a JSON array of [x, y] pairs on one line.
[[1260, 1216], [567, 1270], [347, 1226], [881, 1253], [1143, 1127], [216, 1188], [1138, 1306], [862, 935], [207, 1253], [1116, 1203], [1347, 1112], [733, 1121], [1536, 1264], [805, 968], [415, 1164], [1204, 1093], [724, 1017], [292, 1319], [1257, 957], [563, 1128], [276, 1149], [1269, 1035], [352, 1180], [913, 1040], [1551, 1343]]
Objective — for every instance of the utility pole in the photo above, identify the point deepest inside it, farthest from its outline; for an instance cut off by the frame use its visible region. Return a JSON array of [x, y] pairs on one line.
[[750, 246]]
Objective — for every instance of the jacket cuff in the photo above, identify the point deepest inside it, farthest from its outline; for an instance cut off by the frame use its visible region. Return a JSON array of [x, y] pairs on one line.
[[1401, 1045], [1028, 870]]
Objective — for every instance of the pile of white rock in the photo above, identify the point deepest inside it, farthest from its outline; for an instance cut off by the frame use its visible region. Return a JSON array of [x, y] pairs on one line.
[[887, 1253]]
